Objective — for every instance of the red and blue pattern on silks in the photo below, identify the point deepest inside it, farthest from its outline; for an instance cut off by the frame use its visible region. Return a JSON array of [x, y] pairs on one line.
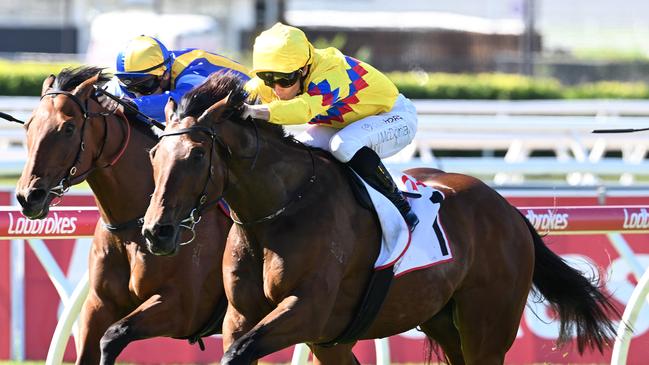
[[330, 97]]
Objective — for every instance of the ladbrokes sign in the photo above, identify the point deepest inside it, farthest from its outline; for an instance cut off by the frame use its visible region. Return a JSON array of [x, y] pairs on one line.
[[588, 219], [53, 224], [547, 220], [60, 223], [636, 220]]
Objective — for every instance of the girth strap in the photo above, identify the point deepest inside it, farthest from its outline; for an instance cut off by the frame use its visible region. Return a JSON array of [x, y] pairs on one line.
[[213, 325], [374, 297]]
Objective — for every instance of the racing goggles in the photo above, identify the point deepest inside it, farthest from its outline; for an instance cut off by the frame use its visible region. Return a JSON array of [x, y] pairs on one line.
[[144, 84], [280, 78]]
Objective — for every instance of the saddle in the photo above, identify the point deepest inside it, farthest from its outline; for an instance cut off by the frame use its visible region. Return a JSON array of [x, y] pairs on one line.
[[401, 251]]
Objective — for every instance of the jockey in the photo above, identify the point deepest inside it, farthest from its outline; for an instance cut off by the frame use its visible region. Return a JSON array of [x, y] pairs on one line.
[[354, 110], [148, 74]]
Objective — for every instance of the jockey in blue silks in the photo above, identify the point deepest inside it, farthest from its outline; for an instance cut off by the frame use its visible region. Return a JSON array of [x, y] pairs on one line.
[[148, 74]]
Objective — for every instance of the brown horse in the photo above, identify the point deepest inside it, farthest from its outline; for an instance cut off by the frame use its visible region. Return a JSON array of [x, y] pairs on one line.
[[298, 261], [133, 294]]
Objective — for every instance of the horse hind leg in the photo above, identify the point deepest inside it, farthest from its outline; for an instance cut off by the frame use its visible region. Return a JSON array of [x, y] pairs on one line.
[[488, 322], [442, 330]]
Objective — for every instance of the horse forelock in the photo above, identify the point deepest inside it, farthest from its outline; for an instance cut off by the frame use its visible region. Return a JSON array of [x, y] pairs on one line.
[[69, 78]]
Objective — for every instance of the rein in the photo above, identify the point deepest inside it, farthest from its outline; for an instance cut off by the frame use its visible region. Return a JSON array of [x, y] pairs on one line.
[[71, 176]]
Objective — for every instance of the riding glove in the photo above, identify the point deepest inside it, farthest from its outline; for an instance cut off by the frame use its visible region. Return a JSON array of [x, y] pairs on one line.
[[257, 111], [114, 107]]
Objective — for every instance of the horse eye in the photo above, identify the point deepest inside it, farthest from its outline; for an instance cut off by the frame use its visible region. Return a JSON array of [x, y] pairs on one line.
[[68, 129], [197, 154]]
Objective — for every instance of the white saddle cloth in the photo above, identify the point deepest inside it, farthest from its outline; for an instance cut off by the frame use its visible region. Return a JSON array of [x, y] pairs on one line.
[[426, 246]]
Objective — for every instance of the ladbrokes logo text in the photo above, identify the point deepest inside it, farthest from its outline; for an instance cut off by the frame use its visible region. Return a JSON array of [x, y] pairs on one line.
[[548, 221], [53, 224], [635, 220]]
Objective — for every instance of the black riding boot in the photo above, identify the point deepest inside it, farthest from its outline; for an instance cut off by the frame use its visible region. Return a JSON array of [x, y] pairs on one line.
[[368, 165]]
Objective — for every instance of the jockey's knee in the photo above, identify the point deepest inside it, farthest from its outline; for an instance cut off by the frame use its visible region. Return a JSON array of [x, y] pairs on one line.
[[344, 149]]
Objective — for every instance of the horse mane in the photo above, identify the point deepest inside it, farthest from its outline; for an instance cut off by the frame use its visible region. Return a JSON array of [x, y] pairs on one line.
[[69, 78], [216, 87]]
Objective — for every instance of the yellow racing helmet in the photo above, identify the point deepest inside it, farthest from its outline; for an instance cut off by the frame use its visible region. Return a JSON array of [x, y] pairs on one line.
[[143, 56], [281, 48]]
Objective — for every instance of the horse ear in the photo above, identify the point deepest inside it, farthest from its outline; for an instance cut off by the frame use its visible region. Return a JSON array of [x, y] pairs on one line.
[[85, 89], [47, 84], [215, 110], [170, 109]]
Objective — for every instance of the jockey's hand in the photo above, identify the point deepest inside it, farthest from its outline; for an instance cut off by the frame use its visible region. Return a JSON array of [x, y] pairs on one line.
[[109, 104], [113, 106], [257, 111]]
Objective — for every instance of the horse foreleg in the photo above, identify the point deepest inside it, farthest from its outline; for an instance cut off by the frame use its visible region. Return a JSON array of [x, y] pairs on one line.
[[96, 316], [337, 355], [292, 321], [155, 317], [236, 325]]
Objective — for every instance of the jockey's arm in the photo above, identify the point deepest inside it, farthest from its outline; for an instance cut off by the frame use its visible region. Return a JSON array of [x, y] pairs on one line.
[[298, 110], [153, 105], [308, 105]]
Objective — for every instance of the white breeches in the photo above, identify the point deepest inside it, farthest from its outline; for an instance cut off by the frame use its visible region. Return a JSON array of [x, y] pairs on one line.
[[386, 133]]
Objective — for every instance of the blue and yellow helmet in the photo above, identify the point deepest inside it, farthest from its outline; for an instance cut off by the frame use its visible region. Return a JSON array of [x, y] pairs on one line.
[[143, 55]]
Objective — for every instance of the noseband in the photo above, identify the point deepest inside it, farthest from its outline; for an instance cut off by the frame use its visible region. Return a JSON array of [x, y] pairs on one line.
[[67, 181]]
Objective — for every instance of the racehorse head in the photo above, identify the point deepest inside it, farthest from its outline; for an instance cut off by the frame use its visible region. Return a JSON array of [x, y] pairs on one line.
[[63, 138], [189, 162]]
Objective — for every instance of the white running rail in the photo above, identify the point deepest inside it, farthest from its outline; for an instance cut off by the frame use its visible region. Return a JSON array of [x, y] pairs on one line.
[[511, 141]]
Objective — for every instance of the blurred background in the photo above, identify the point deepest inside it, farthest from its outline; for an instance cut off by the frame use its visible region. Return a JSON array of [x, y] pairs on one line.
[[587, 63], [580, 42], [508, 91]]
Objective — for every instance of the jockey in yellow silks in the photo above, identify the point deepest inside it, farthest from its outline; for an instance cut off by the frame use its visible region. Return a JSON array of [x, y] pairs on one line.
[[355, 111]]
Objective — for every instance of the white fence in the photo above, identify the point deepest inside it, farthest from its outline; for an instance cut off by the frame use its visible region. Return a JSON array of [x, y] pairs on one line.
[[505, 142]]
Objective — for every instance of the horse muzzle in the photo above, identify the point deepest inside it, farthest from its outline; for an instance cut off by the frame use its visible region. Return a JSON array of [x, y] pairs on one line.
[[34, 202], [161, 239]]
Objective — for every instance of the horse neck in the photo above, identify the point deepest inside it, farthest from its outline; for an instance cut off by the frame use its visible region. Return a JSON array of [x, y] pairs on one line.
[[123, 190], [280, 171]]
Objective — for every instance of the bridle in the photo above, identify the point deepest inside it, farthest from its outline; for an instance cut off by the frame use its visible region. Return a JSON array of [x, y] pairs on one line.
[[71, 176], [194, 215]]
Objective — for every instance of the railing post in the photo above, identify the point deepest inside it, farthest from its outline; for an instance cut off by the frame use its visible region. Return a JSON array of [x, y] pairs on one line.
[[17, 273], [66, 321], [630, 316]]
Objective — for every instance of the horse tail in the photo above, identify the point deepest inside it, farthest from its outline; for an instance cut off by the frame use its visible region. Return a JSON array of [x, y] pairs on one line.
[[580, 303]]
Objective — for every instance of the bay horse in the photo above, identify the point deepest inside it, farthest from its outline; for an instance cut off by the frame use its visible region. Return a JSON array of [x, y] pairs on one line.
[[133, 294], [298, 260]]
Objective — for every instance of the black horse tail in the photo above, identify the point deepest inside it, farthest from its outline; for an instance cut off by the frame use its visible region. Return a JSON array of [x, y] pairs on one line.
[[580, 304]]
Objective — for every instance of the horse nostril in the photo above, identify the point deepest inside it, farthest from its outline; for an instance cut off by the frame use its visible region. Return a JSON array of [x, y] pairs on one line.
[[36, 195], [166, 231], [21, 199], [147, 234]]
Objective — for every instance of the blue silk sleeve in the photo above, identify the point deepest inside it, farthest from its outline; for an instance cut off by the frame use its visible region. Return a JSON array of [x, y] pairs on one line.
[[153, 105]]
